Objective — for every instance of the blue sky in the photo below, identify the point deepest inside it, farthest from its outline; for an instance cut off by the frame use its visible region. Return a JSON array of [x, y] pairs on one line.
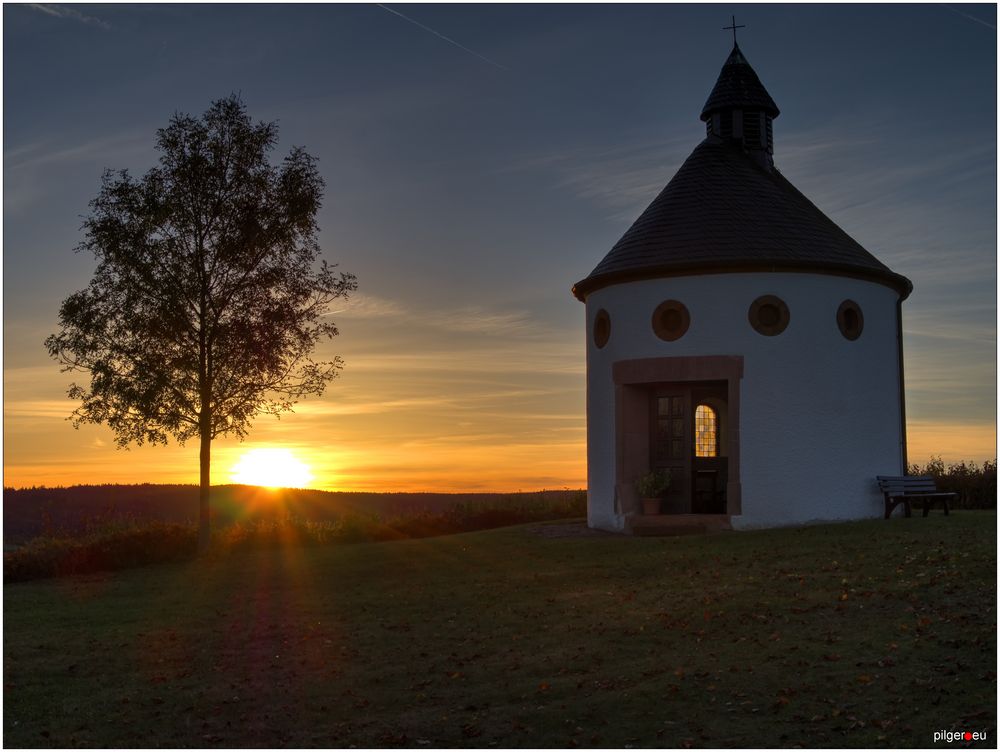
[[471, 182]]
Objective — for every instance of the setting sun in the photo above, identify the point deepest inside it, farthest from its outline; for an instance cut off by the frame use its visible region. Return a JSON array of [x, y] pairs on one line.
[[274, 468]]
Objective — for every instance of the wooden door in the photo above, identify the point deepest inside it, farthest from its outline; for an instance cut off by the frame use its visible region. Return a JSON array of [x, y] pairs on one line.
[[709, 469], [671, 443]]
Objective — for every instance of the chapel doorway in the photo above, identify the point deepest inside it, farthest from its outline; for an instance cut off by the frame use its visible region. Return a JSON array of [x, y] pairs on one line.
[[688, 436]]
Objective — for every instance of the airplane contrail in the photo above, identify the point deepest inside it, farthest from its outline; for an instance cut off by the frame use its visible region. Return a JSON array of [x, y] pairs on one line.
[[442, 36], [970, 17]]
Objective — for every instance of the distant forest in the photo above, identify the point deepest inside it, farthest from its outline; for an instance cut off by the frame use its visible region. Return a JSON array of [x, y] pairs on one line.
[[30, 512]]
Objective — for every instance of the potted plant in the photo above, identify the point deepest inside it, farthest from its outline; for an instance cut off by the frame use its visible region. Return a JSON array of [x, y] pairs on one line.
[[651, 488]]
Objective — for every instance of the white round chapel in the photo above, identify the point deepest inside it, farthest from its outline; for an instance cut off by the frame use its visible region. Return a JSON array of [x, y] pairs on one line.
[[740, 340]]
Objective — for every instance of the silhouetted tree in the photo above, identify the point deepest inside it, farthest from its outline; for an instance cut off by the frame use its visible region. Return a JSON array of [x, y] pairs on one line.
[[207, 301]]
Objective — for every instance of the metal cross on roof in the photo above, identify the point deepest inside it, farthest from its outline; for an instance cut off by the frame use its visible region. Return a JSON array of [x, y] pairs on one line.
[[734, 27]]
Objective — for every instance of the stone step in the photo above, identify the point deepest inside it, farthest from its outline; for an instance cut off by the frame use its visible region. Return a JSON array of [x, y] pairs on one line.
[[677, 524]]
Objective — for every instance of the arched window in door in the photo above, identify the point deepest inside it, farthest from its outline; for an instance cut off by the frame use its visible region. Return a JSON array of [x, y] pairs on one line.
[[706, 432]]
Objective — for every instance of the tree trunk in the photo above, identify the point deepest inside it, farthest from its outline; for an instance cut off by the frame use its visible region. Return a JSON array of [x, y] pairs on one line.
[[204, 415], [204, 523]]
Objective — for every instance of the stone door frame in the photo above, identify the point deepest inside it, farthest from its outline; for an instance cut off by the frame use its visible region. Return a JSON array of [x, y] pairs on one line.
[[632, 380]]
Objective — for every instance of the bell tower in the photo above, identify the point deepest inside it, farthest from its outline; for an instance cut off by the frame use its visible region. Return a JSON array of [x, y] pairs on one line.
[[740, 110]]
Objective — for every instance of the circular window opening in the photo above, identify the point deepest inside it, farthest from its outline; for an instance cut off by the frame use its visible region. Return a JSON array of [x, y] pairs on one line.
[[671, 320], [850, 320], [769, 315], [602, 328]]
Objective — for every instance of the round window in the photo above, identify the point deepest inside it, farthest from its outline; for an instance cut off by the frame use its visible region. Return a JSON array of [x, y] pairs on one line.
[[850, 320], [769, 315], [671, 320], [602, 328]]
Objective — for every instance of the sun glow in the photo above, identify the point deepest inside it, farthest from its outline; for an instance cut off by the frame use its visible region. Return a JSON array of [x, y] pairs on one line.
[[273, 468]]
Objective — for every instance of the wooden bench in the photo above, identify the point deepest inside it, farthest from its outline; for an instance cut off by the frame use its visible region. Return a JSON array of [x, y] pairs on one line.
[[901, 489]]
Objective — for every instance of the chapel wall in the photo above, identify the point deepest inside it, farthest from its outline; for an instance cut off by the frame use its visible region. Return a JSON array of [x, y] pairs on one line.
[[819, 413]]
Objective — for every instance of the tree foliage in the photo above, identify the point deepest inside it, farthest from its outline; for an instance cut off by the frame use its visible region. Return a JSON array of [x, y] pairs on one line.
[[209, 296]]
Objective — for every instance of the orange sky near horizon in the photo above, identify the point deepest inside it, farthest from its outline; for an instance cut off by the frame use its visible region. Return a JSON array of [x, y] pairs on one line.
[[472, 402], [456, 464]]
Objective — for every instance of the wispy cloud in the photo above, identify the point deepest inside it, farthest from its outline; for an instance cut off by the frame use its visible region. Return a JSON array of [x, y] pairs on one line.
[[467, 319], [545, 358], [960, 320], [61, 11], [351, 402], [371, 407], [843, 172], [29, 169], [622, 178], [362, 306], [40, 409], [43, 153], [439, 35], [474, 320], [908, 208]]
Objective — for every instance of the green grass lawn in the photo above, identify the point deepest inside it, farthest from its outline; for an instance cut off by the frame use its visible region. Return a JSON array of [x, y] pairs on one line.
[[863, 634]]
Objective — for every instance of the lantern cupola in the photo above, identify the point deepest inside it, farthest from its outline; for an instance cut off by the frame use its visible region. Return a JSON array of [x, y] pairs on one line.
[[740, 109]]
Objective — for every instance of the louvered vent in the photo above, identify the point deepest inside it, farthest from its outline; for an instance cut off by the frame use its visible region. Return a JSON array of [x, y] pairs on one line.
[[751, 130], [726, 125]]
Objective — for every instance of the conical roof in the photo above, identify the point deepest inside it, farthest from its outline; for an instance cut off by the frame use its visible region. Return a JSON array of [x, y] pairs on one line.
[[724, 212], [738, 88]]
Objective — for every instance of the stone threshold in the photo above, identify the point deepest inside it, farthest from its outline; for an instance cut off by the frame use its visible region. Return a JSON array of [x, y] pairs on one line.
[[677, 524]]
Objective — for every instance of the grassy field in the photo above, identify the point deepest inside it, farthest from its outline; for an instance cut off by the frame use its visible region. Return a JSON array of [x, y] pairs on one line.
[[862, 634]]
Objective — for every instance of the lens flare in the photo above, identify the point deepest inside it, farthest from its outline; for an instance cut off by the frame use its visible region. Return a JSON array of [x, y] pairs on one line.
[[272, 468]]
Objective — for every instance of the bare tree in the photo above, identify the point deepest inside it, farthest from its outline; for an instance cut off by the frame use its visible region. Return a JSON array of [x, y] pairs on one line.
[[207, 301]]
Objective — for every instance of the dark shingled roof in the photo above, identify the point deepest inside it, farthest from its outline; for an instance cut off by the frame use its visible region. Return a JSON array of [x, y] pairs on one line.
[[724, 212], [738, 88]]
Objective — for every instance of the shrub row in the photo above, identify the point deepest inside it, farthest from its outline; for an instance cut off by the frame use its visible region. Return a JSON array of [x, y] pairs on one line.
[[118, 547], [134, 543], [976, 485]]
